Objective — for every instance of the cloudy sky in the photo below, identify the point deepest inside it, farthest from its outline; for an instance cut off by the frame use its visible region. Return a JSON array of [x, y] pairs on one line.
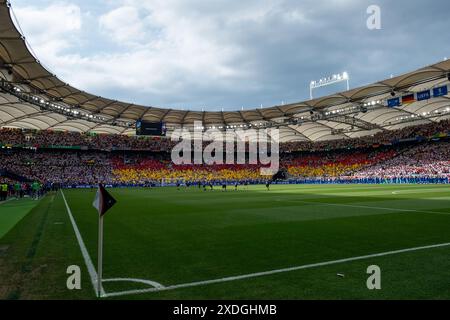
[[214, 54]]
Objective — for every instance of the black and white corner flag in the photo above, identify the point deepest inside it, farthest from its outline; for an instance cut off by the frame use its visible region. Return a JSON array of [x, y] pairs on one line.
[[103, 200]]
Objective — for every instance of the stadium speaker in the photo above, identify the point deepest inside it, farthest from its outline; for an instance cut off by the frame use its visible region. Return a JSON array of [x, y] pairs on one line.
[[448, 76], [393, 93]]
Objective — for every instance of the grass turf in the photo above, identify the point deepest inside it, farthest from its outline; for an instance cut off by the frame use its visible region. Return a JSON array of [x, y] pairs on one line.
[[174, 237], [12, 211]]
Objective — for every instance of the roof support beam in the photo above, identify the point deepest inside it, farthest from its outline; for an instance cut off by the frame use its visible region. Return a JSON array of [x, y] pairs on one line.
[[124, 110], [353, 121], [295, 129], [165, 114], [184, 116], [41, 77], [8, 103], [105, 106], [25, 117], [225, 123], [22, 62], [262, 115], [71, 94]]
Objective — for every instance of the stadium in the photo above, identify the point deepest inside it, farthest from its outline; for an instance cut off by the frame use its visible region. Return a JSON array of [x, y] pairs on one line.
[[362, 180]]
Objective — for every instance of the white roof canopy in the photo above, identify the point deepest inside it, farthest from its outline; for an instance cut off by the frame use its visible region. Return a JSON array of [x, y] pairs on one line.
[[19, 66]]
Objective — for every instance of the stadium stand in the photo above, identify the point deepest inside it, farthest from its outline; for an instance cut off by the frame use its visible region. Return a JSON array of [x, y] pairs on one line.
[[56, 134], [429, 160], [108, 142], [80, 160]]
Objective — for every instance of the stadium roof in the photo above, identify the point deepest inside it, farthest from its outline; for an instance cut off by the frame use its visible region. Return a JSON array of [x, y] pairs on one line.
[[337, 116]]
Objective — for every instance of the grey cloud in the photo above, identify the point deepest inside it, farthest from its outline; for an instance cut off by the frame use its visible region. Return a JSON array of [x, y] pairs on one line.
[[292, 43], [285, 56]]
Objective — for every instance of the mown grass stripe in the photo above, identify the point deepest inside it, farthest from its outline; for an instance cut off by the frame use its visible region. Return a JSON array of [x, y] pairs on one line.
[[272, 272], [31, 252]]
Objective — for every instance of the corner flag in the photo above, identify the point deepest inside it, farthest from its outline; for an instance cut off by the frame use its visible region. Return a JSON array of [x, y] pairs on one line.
[[103, 202]]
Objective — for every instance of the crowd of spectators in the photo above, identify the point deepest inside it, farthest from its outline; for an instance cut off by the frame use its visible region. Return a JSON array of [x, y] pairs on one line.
[[334, 164], [42, 139], [424, 160], [381, 138], [113, 159], [78, 167], [106, 142], [60, 167]]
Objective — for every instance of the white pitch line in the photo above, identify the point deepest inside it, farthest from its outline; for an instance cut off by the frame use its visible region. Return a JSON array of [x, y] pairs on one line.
[[147, 282], [84, 252], [364, 207], [266, 273], [6, 201]]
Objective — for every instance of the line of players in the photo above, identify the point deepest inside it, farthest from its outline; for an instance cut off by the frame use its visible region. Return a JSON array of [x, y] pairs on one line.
[[19, 190], [205, 185]]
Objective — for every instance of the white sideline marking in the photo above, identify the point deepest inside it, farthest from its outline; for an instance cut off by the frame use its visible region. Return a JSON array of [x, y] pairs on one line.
[[87, 258], [6, 201], [364, 207], [266, 273]]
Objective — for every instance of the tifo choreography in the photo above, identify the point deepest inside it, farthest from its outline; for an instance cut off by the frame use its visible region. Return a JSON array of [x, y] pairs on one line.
[[405, 160]]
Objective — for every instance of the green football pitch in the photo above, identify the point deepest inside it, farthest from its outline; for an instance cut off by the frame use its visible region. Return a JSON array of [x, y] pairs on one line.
[[292, 242]]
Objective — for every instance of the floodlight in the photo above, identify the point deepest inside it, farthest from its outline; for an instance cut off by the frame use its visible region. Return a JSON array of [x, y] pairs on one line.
[[335, 78]]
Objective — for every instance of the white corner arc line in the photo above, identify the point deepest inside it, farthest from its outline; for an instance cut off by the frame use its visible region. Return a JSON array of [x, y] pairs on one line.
[[87, 259], [271, 272], [147, 282]]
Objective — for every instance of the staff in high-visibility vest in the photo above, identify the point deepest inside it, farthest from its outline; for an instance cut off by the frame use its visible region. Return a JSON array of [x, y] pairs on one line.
[[3, 191]]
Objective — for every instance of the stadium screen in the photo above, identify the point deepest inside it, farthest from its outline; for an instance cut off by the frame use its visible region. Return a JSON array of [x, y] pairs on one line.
[[144, 128]]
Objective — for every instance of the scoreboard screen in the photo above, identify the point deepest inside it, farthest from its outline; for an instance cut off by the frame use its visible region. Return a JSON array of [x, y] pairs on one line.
[[145, 128]]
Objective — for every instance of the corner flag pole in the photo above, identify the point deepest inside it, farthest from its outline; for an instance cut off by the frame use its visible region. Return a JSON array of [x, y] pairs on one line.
[[103, 201], [100, 256]]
